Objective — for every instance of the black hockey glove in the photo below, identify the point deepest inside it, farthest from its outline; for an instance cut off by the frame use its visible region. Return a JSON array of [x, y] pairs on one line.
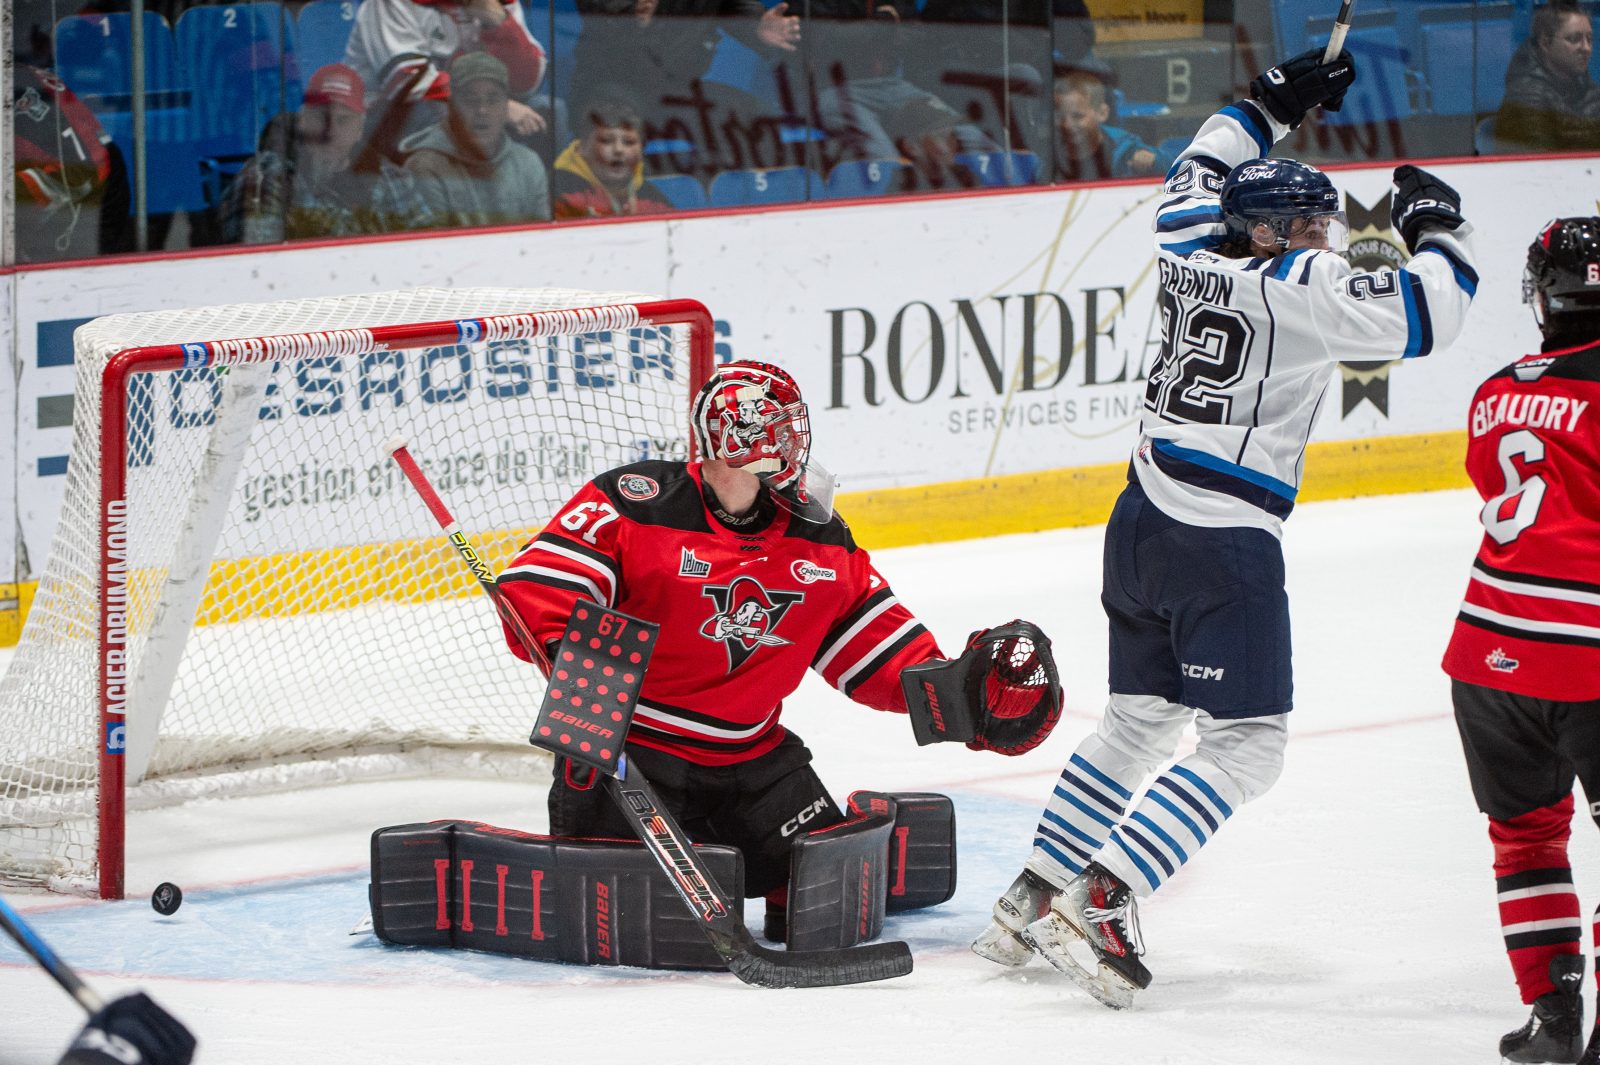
[[133, 1030], [1422, 200], [1295, 86], [1003, 694]]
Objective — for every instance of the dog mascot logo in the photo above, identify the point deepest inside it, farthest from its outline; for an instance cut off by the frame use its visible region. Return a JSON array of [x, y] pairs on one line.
[[746, 617]]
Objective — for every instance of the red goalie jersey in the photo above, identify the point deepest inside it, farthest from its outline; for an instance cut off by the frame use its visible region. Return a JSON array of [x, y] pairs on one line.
[[743, 613], [1530, 622]]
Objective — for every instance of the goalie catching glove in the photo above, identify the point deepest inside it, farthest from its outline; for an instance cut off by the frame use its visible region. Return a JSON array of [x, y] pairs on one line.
[[1002, 694]]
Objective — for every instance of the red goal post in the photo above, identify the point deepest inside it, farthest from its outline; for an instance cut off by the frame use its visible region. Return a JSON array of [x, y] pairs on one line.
[[595, 351]]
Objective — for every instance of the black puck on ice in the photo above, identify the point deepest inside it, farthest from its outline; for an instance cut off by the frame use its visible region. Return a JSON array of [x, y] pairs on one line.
[[166, 898]]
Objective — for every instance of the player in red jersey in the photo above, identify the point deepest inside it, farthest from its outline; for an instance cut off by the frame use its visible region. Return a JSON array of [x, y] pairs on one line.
[[753, 580], [1525, 656]]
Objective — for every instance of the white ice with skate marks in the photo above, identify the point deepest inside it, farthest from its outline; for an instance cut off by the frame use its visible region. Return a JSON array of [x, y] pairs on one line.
[[1347, 916]]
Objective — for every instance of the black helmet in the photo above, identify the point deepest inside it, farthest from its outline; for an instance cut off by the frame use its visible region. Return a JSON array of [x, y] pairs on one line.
[[1562, 277], [1277, 191]]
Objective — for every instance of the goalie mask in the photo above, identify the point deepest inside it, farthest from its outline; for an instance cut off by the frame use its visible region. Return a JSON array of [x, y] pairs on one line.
[[750, 415], [1562, 278], [1272, 201]]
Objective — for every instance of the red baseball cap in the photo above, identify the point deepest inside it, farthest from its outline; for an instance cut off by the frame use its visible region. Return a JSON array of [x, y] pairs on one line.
[[337, 84]]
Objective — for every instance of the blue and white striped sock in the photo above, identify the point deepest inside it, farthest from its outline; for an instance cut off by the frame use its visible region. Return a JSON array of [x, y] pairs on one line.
[[1179, 813], [1090, 797]]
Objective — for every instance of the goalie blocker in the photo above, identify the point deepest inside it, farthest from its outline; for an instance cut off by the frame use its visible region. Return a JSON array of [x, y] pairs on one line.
[[605, 902], [1003, 694]]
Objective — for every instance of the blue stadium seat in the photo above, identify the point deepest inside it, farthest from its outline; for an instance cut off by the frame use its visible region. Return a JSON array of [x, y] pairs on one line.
[[681, 190], [92, 57], [862, 178], [1000, 169], [555, 24], [1382, 92], [240, 58], [1295, 22], [750, 188], [1466, 64], [322, 29]]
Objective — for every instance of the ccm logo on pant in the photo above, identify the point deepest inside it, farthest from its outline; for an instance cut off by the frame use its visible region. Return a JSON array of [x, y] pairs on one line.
[[1202, 672], [791, 826]]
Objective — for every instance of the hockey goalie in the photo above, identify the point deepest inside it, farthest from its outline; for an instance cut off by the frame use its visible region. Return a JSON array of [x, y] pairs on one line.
[[752, 579]]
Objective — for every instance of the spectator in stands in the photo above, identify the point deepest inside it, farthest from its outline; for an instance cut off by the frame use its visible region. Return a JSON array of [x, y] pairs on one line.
[[301, 183], [995, 57], [1086, 148], [1551, 102], [865, 102], [469, 171], [71, 184], [602, 173], [657, 53], [402, 49]]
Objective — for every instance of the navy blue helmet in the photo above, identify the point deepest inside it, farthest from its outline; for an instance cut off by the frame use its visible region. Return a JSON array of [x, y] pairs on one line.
[[1563, 272], [1276, 192]]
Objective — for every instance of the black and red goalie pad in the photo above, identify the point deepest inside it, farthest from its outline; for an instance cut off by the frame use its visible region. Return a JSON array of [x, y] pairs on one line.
[[595, 677], [469, 885], [896, 852]]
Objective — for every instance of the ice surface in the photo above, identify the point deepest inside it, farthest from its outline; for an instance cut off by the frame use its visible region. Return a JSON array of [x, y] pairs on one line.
[[1347, 916]]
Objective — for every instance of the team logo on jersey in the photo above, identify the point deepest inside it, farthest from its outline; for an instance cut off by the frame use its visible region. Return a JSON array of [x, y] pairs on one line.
[[1500, 662], [807, 572], [32, 105], [637, 486], [747, 615], [689, 566]]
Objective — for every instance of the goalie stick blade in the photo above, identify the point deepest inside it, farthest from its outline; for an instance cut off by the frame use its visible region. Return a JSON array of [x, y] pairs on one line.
[[864, 964]]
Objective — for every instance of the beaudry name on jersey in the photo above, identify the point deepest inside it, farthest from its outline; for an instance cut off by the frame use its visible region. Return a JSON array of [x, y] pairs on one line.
[[1249, 343]]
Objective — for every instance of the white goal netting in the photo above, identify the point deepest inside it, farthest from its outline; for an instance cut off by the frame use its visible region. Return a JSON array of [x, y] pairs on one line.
[[282, 609]]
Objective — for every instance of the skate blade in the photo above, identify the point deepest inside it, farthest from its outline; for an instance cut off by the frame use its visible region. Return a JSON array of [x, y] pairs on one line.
[[1002, 946], [1050, 937]]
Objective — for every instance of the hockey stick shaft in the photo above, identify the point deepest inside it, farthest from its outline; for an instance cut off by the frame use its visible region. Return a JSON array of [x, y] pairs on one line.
[[1341, 26], [40, 952], [719, 919]]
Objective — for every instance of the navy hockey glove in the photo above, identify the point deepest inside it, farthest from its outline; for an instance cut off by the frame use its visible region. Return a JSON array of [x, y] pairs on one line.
[[133, 1030], [1295, 86], [1422, 200]]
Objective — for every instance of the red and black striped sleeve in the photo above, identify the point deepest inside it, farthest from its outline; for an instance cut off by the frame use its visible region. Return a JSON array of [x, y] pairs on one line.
[[872, 641], [577, 556]]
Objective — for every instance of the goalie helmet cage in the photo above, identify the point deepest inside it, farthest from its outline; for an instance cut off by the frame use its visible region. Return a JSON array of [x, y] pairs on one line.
[[242, 592]]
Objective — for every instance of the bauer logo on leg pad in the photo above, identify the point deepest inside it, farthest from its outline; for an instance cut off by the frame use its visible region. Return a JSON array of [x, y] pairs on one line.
[[595, 677]]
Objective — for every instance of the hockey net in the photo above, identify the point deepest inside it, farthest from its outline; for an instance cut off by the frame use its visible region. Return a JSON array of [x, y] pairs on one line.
[[243, 593]]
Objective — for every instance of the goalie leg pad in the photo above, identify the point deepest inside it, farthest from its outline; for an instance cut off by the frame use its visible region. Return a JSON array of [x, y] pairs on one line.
[[896, 852], [588, 902], [922, 847]]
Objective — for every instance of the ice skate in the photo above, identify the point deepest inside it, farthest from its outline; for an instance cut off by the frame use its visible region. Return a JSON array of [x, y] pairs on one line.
[[1025, 901], [1092, 935], [1554, 1030]]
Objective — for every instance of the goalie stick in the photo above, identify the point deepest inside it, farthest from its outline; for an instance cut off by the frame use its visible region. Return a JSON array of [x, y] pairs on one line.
[[40, 952], [1341, 26], [722, 921]]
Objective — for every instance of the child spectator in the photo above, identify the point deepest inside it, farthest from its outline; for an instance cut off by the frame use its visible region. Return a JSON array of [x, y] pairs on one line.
[[300, 184], [469, 172], [602, 173], [1551, 102], [1086, 148]]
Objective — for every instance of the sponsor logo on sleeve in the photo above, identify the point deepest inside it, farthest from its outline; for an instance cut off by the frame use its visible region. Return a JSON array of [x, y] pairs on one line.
[[636, 486], [807, 572]]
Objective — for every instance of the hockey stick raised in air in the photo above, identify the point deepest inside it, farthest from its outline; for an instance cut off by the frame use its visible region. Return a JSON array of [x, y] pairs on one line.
[[40, 951], [1341, 26], [720, 919]]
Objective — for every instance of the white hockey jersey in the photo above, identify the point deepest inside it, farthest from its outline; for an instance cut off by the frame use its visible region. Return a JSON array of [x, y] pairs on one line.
[[1249, 344]]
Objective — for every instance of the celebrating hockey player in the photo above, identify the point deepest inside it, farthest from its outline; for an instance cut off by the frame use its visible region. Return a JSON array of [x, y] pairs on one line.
[[753, 580], [1257, 305], [1525, 655]]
